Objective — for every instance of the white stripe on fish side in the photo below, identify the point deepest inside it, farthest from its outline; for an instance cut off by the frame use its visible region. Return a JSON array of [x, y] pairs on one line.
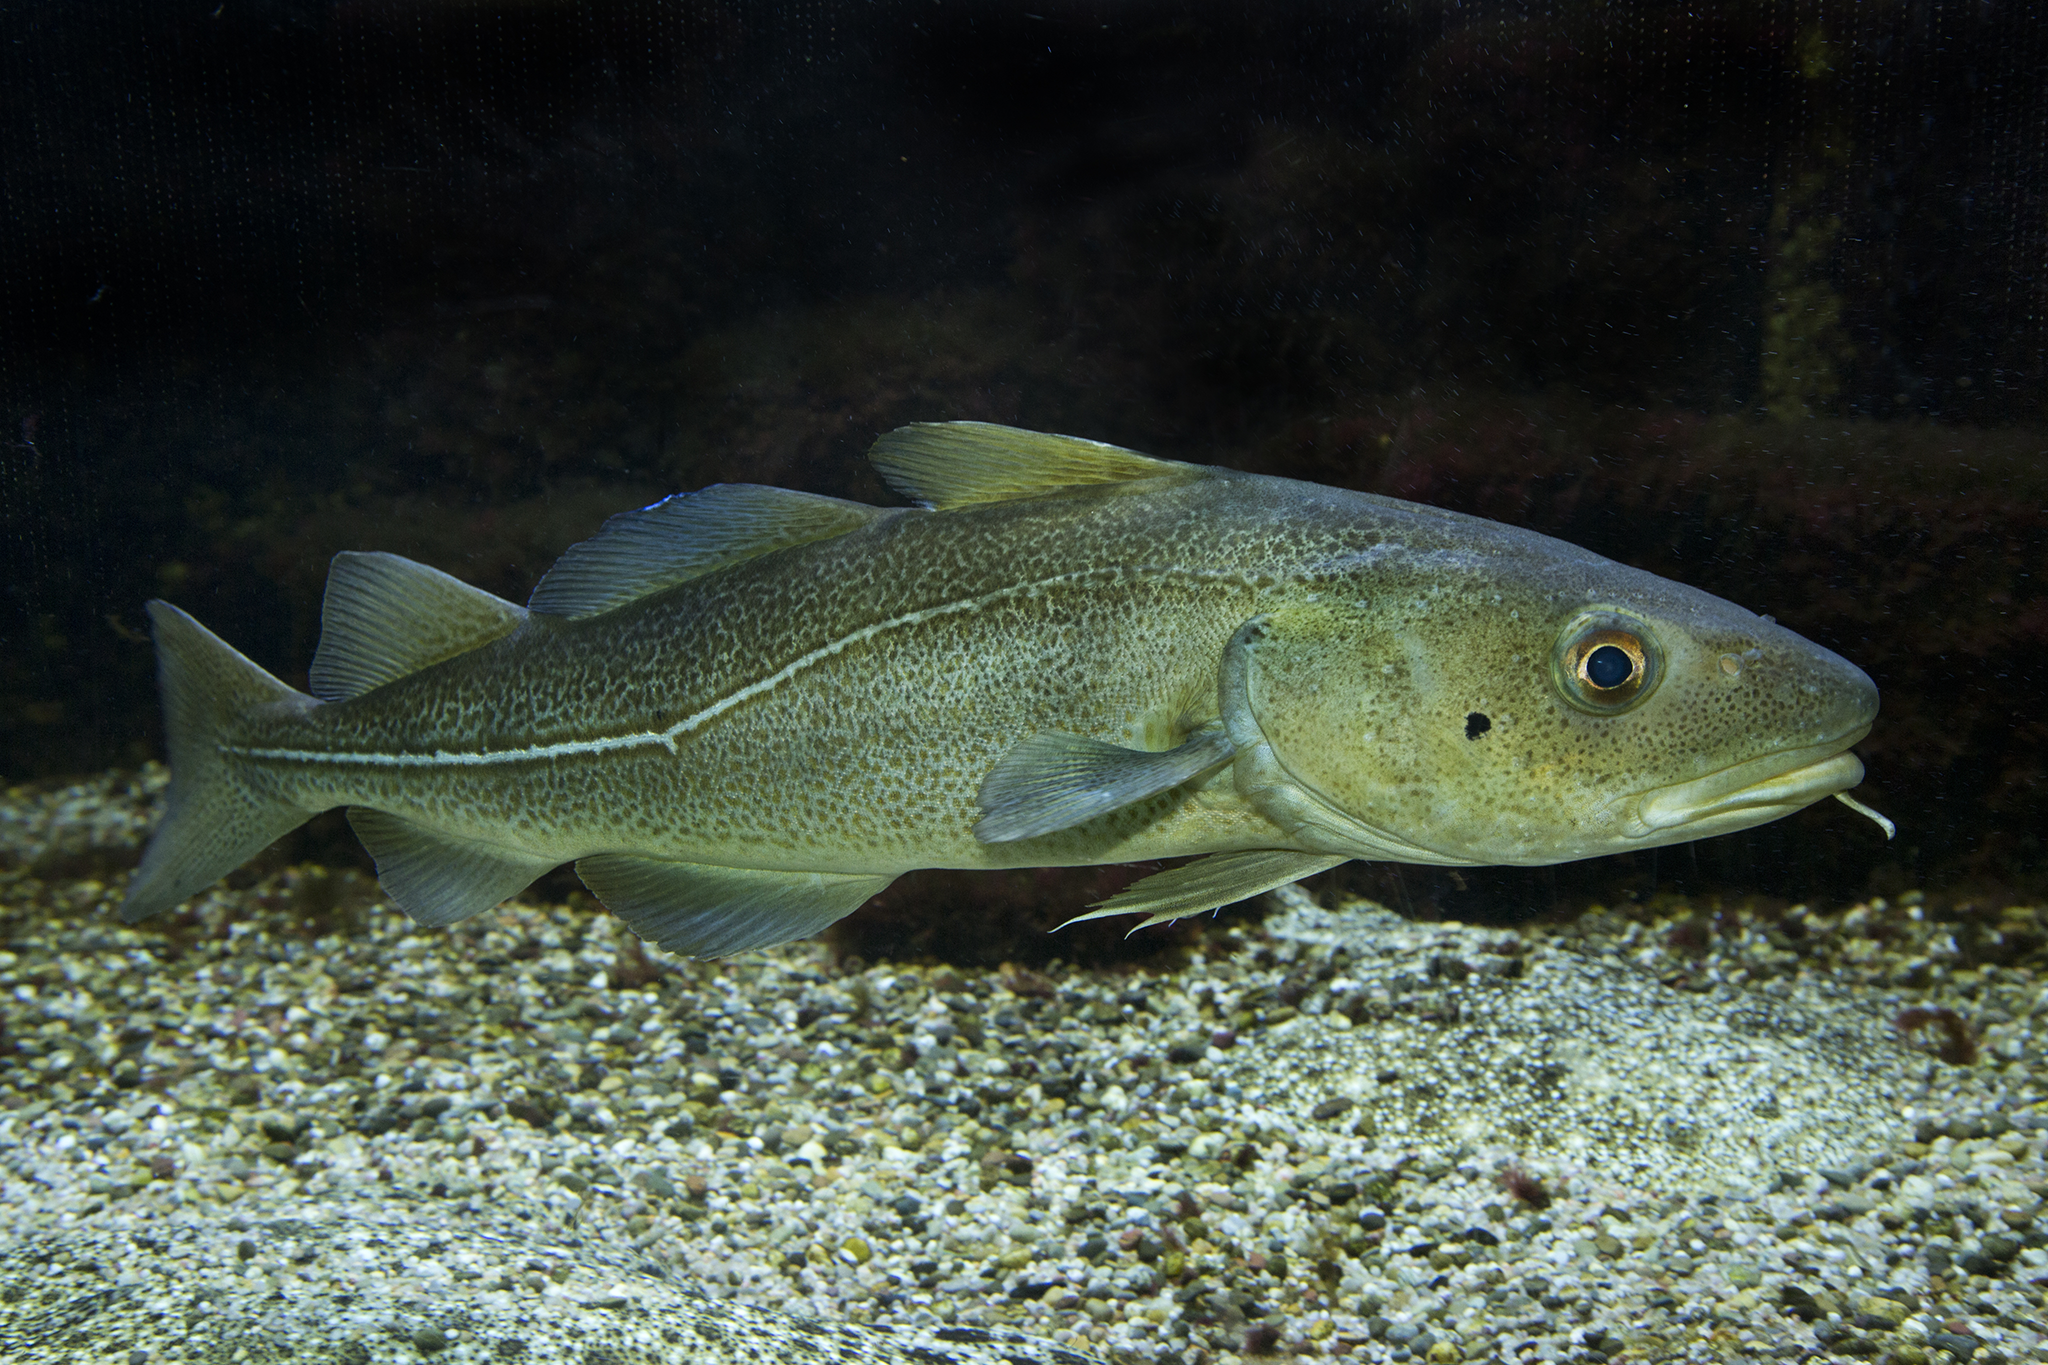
[[640, 739]]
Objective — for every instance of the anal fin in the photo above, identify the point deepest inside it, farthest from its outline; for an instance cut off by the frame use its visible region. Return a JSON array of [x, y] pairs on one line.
[[440, 878], [1209, 883], [708, 911], [1055, 781]]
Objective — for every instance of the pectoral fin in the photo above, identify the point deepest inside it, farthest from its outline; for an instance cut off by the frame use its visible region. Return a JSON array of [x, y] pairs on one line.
[[707, 911], [438, 878], [1054, 781], [1208, 883]]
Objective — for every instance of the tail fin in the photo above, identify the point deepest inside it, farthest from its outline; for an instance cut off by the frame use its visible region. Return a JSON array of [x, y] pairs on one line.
[[213, 823]]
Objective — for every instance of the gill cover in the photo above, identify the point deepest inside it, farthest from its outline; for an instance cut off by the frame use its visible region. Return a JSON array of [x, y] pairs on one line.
[[1287, 689]]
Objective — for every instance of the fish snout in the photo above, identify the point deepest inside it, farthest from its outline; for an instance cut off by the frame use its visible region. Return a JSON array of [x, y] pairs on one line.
[[1835, 703], [1835, 700], [1859, 698]]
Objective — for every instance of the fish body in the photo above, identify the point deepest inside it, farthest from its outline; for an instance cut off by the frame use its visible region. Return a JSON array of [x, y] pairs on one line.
[[743, 712]]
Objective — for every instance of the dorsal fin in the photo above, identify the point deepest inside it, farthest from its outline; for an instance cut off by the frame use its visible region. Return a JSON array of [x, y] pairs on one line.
[[385, 616], [943, 465], [687, 536]]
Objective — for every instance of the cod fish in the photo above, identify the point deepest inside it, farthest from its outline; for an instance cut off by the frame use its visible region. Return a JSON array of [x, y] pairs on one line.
[[742, 712]]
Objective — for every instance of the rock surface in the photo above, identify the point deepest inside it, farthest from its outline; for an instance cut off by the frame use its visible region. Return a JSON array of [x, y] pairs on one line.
[[357, 1281], [283, 1119]]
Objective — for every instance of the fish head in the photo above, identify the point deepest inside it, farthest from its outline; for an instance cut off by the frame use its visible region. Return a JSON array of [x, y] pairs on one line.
[[1532, 707]]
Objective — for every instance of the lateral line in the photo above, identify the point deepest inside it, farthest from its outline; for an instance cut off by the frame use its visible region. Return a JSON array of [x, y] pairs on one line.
[[667, 739]]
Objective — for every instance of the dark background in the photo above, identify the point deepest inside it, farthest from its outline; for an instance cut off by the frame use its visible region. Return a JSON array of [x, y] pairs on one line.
[[1748, 294]]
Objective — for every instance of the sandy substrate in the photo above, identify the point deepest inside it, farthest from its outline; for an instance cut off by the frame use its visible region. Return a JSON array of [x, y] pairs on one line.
[[283, 1124]]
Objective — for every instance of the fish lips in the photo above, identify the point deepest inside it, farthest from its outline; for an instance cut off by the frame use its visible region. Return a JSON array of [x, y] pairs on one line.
[[1749, 793]]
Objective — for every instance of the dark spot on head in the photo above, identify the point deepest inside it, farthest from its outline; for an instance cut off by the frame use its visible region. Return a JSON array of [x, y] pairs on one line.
[[1476, 725]]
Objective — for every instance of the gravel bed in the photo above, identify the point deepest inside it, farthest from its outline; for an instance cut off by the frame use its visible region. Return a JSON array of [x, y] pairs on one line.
[[284, 1124]]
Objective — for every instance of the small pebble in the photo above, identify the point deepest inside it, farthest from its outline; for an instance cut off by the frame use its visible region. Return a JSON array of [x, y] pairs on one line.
[[268, 1117]]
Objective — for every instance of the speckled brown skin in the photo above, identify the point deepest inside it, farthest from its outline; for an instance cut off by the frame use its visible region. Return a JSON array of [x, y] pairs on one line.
[[886, 671]]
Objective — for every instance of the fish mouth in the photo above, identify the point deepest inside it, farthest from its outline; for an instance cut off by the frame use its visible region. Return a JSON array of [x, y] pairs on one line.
[[1749, 793]]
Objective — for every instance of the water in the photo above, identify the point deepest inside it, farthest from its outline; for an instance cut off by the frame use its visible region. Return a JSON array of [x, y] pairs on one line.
[[1747, 295]]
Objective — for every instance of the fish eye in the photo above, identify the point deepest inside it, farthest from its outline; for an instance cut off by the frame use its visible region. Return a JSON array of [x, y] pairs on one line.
[[1606, 662], [1608, 667]]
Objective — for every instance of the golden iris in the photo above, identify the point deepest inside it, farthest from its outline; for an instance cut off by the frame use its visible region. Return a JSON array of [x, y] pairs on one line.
[[1606, 662]]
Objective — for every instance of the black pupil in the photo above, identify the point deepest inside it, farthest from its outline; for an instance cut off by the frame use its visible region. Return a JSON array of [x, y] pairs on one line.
[[1608, 667]]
